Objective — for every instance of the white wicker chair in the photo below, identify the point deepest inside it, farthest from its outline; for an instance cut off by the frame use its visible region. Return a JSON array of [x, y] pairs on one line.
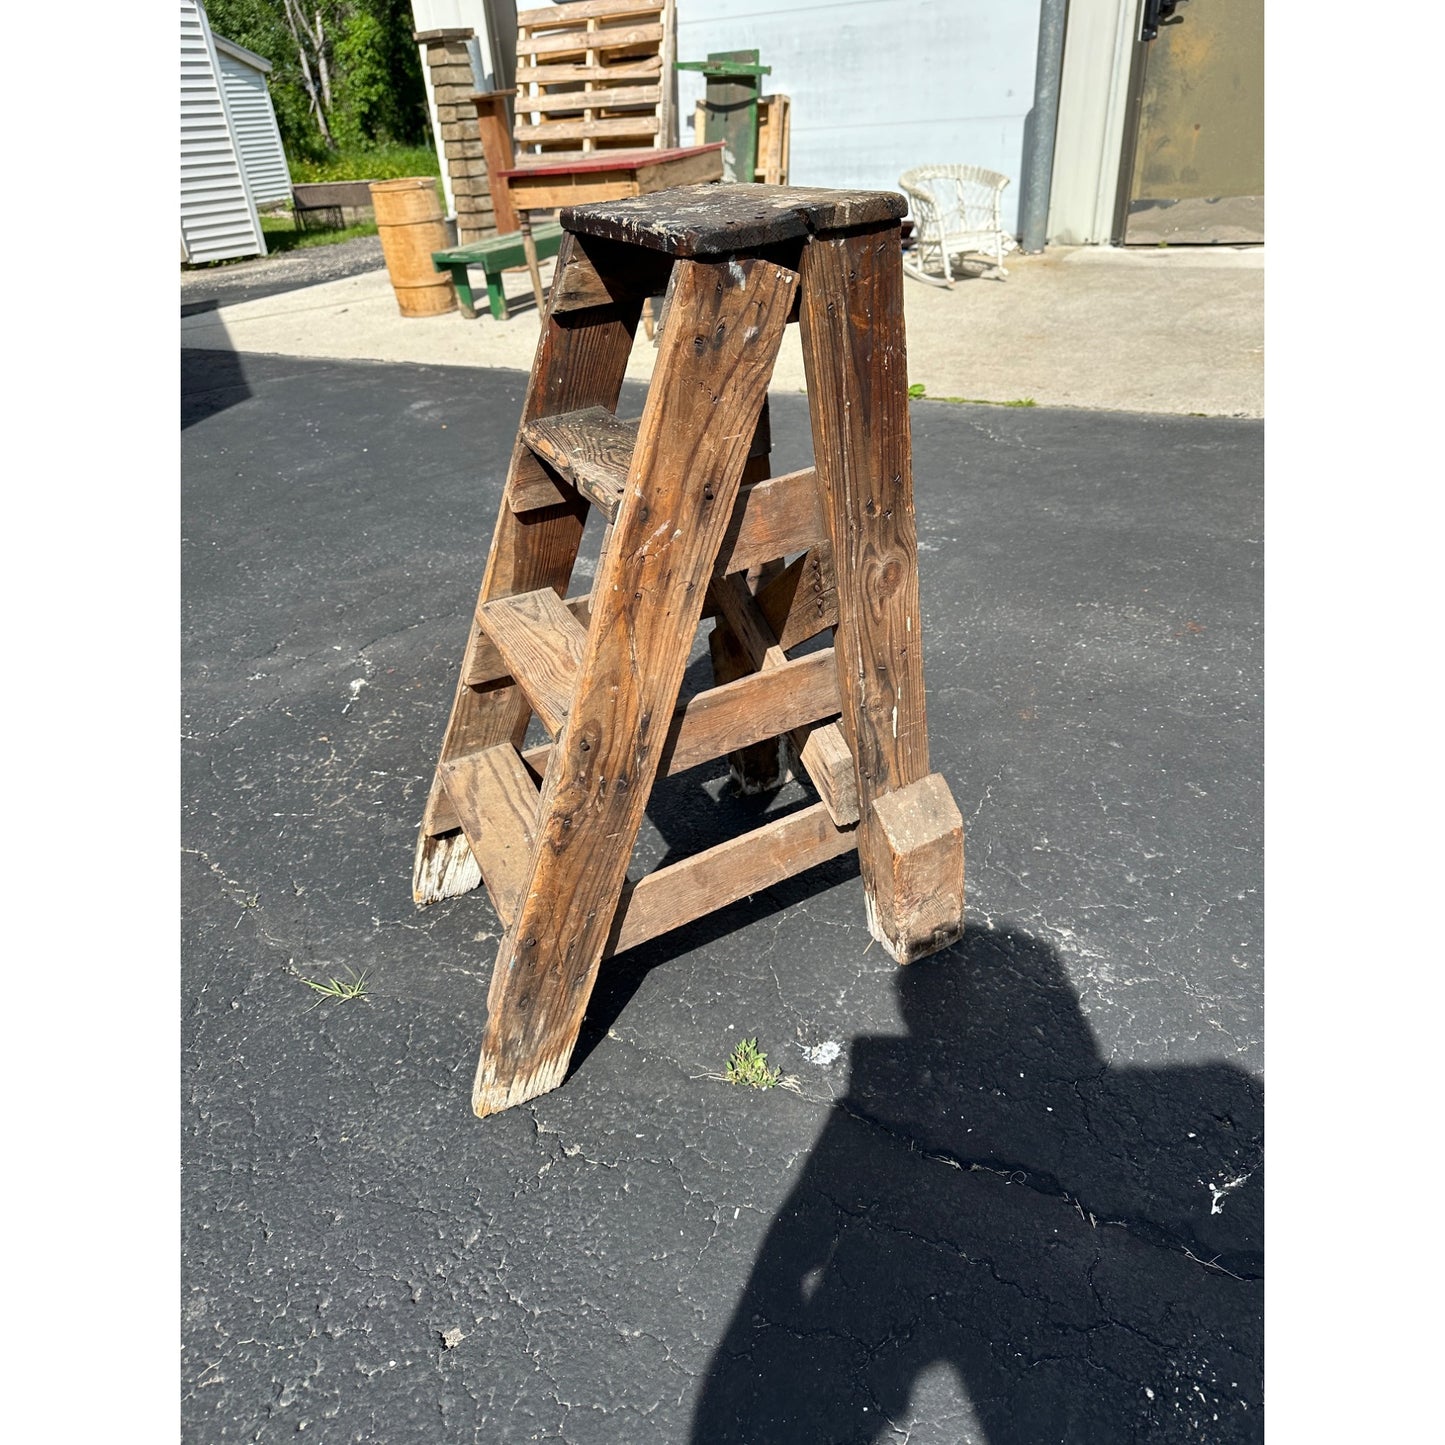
[[958, 212]]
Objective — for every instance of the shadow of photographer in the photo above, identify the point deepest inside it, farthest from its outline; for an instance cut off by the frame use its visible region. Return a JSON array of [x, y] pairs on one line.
[[1078, 1241]]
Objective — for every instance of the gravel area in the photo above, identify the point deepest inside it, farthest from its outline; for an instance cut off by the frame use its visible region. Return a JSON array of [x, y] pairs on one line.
[[204, 288]]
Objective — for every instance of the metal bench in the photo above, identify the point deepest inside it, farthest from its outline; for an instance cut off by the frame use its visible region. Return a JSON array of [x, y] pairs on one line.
[[494, 255]]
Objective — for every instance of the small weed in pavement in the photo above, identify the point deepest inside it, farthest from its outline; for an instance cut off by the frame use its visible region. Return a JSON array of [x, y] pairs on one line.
[[916, 392], [338, 988], [749, 1065]]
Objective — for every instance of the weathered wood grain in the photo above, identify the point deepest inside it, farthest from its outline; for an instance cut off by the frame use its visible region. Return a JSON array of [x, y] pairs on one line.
[[774, 518], [604, 272], [576, 177], [592, 449], [567, 73], [857, 370], [710, 880], [584, 10], [542, 645], [633, 127], [802, 600], [579, 363], [755, 706], [600, 99], [714, 361], [494, 130], [495, 799], [760, 767], [537, 488], [915, 856], [485, 665], [579, 42], [822, 752], [700, 221], [734, 714]]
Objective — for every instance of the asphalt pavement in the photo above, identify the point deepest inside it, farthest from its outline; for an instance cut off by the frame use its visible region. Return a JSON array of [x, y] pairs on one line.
[[1007, 1195]]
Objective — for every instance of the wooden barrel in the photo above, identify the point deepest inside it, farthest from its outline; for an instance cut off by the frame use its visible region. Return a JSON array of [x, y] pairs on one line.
[[410, 222]]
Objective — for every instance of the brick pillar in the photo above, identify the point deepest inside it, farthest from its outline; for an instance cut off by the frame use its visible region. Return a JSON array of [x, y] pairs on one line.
[[453, 84]]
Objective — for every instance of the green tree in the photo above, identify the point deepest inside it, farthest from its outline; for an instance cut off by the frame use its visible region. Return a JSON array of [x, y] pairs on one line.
[[379, 92], [345, 72]]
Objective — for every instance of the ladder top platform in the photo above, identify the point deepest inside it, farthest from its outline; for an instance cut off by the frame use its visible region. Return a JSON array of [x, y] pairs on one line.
[[712, 220]]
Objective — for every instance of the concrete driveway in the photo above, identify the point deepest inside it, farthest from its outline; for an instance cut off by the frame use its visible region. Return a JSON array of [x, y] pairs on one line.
[[1176, 330]]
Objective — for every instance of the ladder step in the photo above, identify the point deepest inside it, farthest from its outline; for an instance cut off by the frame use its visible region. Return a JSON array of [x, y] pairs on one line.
[[591, 448], [484, 664], [496, 799], [541, 644]]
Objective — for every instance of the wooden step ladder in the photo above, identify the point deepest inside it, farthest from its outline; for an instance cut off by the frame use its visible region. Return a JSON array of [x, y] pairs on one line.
[[695, 528]]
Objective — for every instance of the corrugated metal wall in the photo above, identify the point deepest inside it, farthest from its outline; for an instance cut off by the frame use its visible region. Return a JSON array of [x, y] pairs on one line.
[[218, 217], [253, 126]]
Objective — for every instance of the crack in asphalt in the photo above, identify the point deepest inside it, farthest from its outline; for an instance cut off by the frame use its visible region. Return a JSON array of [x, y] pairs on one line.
[[1043, 1183]]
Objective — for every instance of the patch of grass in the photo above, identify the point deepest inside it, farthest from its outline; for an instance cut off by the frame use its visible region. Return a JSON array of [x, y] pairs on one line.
[[372, 163], [916, 392], [339, 989], [748, 1065], [281, 234]]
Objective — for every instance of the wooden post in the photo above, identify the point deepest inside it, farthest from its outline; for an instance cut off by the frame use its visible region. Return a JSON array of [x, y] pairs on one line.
[[857, 371], [495, 128], [686, 468], [529, 246]]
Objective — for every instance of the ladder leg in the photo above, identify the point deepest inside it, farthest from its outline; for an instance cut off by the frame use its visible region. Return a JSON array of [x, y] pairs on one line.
[[715, 359], [581, 359], [763, 767], [910, 831]]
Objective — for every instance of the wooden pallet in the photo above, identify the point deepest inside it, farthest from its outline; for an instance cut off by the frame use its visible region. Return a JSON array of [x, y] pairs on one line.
[[594, 76], [695, 528]]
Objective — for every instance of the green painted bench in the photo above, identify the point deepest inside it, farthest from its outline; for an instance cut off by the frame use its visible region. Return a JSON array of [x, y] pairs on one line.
[[494, 255]]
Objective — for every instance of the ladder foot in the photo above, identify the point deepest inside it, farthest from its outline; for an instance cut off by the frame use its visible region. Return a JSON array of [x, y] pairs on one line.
[[443, 868], [912, 862], [490, 1094]]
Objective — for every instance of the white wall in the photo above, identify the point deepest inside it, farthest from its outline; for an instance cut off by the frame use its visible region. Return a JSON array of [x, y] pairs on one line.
[[879, 86], [218, 216], [254, 128]]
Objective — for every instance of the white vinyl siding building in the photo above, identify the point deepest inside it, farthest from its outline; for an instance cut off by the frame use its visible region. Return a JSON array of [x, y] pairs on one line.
[[253, 121], [218, 214]]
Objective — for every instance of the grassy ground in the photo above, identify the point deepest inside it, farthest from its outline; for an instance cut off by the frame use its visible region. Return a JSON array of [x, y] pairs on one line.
[[282, 235], [378, 163]]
